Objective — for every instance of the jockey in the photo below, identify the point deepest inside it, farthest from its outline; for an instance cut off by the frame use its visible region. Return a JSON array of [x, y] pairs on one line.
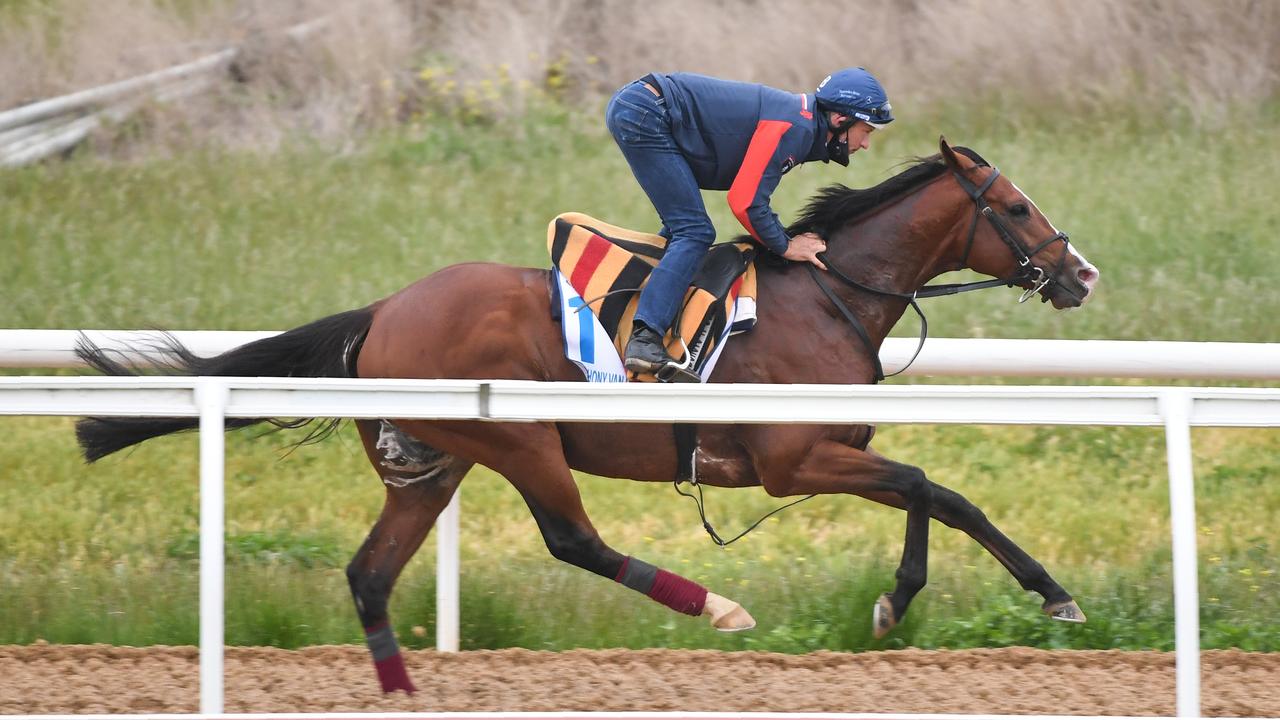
[[683, 133]]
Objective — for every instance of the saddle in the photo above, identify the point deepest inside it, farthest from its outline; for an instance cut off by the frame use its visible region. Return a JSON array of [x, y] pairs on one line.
[[598, 271]]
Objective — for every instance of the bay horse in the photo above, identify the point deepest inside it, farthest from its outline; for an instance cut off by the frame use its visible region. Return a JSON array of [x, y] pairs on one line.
[[481, 320]]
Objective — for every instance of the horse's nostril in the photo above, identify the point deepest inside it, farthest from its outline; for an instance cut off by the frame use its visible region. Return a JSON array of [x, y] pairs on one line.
[[1088, 276]]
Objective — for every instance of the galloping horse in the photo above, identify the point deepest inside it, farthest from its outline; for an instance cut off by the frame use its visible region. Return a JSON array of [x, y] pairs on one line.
[[946, 212]]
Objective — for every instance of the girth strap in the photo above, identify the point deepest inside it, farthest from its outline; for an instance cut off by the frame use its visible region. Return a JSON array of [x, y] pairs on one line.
[[686, 444]]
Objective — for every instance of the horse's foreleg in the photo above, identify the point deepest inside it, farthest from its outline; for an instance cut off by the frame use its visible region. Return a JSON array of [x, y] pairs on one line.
[[954, 510], [420, 482], [543, 479], [831, 467]]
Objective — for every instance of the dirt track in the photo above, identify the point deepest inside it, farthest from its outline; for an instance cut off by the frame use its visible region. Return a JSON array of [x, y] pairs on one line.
[[102, 679]]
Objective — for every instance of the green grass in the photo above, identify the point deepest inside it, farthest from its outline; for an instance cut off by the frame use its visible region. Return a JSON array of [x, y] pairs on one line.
[[105, 553], [1181, 222], [800, 607]]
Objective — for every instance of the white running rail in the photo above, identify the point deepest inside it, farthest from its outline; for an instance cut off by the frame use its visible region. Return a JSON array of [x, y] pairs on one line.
[[962, 357], [1177, 409]]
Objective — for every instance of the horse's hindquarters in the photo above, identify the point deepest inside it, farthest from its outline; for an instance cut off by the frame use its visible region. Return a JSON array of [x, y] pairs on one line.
[[476, 320]]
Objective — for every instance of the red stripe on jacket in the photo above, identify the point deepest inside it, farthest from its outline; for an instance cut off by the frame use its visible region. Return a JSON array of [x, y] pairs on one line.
[[743, 191]]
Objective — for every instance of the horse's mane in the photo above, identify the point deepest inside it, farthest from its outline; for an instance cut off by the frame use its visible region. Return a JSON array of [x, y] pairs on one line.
[[837, 205]]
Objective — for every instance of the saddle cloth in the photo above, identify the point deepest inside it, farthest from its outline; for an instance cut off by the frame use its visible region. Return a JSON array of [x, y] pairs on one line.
[[598, 270]]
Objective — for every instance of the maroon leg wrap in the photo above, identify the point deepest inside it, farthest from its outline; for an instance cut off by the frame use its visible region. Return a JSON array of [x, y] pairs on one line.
[[387, 659], [667, 588], [393, 676], [679, 594]]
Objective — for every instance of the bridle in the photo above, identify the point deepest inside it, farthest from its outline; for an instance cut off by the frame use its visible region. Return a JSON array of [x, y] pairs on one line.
[[1026, 272]]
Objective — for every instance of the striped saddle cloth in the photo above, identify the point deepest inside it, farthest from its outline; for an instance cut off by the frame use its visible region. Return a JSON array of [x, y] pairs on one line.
[[598, 271]]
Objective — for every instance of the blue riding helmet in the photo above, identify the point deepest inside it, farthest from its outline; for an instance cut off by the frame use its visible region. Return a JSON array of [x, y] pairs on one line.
[[854, 92]]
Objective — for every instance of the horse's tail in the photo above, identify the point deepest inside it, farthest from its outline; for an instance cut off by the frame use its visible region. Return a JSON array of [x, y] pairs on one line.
[[325, 348]]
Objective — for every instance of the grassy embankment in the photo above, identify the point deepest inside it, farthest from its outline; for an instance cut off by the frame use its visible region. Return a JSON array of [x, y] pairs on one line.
[[1181, 222]]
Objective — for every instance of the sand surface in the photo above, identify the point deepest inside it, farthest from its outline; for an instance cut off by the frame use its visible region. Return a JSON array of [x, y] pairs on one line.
[[104, 679]]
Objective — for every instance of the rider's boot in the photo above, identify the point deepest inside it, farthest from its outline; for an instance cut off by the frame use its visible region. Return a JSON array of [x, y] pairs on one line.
[[646, 355]]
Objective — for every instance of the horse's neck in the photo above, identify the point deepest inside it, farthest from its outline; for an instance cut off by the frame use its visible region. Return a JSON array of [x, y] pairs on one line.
[[894, 250]]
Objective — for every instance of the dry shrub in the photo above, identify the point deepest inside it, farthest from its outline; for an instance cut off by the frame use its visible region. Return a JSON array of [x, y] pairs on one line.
[[1078, 55], [338, 76], [1098, 54], [362, 67], [49, 50]]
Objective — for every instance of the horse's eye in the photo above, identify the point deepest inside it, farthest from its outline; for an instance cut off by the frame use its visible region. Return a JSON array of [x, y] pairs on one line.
[[1019, 210]]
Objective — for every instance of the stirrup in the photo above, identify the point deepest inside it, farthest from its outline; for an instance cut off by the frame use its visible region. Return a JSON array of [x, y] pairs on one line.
[[674, 372], [678, 372]]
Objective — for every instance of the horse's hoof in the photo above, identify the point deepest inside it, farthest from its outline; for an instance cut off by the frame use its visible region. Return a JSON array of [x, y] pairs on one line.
[[882, 619], [1066, 611], [727, 615]]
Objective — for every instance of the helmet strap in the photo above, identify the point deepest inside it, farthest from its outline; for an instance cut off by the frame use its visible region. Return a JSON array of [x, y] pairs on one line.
[[838, 145]]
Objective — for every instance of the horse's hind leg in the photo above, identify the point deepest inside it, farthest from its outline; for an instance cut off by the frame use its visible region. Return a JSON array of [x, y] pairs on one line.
[[533, 461], [419, 481]]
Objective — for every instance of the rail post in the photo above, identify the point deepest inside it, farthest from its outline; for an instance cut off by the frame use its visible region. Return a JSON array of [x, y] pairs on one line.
[[1175, 408], [448, 574], [211, 400]]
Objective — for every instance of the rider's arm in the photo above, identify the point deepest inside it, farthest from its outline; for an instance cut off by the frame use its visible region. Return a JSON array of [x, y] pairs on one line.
[[756, 179]]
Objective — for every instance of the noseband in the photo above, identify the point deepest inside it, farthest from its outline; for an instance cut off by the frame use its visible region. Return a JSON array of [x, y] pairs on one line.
[[1025, 273]]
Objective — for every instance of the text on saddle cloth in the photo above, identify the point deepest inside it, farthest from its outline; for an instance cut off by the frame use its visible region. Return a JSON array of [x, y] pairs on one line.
[[598, 270]]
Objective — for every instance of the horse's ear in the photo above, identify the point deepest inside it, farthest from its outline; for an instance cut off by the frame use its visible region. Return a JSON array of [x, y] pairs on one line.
[[949, 155]]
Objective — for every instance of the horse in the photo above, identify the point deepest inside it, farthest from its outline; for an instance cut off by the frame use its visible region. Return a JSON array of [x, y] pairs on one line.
[[486, 320]]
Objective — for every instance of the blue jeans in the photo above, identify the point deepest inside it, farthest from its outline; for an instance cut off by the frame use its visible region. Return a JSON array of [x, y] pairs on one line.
[[641, 125]]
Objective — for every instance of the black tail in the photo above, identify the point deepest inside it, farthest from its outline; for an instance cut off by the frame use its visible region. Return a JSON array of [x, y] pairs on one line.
[[325, 348]]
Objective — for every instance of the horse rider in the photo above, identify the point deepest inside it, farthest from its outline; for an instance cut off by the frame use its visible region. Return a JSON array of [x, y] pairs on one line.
[[683, 133]]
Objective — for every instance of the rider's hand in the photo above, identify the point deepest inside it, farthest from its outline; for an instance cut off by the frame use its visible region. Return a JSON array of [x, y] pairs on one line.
[[805, 247]]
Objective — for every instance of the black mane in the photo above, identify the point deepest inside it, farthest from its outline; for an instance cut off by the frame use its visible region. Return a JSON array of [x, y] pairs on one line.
[[837, 205]]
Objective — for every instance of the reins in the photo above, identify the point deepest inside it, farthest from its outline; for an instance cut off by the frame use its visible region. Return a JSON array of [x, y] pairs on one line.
[[706, 524]]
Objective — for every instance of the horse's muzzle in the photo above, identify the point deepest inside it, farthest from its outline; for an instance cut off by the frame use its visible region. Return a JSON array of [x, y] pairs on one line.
[[1072, 287]]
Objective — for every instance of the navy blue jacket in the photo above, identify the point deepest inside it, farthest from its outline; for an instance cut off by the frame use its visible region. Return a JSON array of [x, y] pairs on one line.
[[743, 138]]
